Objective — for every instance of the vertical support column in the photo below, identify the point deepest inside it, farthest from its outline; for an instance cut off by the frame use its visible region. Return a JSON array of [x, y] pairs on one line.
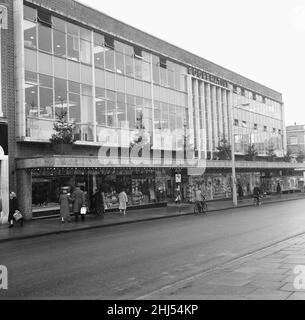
[[24, 193], [210, 125], [19, 69], [197, 115], [220, 113], [190, 132], [225, 115], [204, 127], [214, 114], [4, 186], [93, 88]]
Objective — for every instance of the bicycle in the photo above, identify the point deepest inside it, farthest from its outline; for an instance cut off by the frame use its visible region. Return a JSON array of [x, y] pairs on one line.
[[200, 207], [257, 202]]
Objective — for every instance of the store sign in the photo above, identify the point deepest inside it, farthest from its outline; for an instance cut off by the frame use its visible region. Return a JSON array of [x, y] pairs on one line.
[[178, 178], [207, 76]]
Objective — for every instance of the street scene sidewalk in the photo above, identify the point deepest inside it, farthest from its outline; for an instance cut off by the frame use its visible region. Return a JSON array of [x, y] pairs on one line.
[[268, 274], [36, 228]]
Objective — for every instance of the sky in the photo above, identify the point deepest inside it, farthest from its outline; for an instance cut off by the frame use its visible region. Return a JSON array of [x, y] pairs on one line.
[[263, 40]]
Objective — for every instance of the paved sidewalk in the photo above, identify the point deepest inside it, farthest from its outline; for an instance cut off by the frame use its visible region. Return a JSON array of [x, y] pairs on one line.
[[37, 228], [267, 274]]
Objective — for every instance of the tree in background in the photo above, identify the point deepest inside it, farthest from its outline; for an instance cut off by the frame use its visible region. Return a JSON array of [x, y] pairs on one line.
[[63, 130], [251, 153], [300, 156], [288, 156], [223, 150], [271, 152]]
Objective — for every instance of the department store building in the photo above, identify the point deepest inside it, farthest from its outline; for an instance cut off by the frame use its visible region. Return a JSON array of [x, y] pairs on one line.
[[116, 83]]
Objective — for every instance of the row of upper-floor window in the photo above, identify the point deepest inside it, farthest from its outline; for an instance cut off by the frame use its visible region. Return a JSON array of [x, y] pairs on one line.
[[271, 108], [252, 95], [45, 96], [65, 39], [256, 126]]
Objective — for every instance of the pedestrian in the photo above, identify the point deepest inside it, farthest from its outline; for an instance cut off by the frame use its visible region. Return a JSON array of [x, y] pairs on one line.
[[14, 213], [123, 199], [99, 203], [278, 188], [64, 202], [240, 192], [78, 198]]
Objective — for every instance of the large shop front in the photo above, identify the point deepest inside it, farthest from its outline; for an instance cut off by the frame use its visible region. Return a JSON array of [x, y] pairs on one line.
[[149, 186]]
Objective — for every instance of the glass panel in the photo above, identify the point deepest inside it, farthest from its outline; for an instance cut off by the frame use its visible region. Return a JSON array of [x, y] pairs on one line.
[[73, 47], [164, 112], [157, 115], [30, 60], [59, 43], [119, 60], [156, 76], [138, 68], [111, 109], [29, 13], [60, 67], [87, 109], [59, 24], [100, 106], [60, 87], [109, 59], [121, 111], [45, 63], [129, 66], [100, 78], [110, 81], [74, 87], [30, 37], [46, 103], [146, 71], [73, 71], [31, 99], [85, 34], [72, 29], [99, 56], [45, 81], [98, 39], [163, 77], [86, 73], [44, 38], [120, 83], [74, 107], [131, 116], [86, 51]]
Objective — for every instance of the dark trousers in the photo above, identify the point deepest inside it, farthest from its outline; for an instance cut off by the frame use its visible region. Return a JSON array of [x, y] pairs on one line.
[[77, 215]]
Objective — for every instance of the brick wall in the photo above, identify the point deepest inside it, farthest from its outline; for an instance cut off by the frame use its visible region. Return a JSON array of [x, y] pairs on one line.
[[100, 21]]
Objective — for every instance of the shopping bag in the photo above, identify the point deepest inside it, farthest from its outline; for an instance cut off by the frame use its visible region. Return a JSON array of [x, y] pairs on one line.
[[83, 210], [17, 215]]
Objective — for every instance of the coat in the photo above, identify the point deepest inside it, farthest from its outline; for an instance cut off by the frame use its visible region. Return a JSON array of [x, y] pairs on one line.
[[64, 202], [99, 203], [78, 197], [123, 199], [13, 207]]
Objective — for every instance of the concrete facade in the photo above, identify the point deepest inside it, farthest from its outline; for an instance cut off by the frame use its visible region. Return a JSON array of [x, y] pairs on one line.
[[296, 138]]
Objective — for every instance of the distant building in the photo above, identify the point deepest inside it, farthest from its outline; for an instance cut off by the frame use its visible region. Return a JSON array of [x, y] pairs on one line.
[[295, 138]]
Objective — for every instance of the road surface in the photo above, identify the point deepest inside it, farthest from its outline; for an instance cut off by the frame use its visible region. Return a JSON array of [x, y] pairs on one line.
[[129, 261]]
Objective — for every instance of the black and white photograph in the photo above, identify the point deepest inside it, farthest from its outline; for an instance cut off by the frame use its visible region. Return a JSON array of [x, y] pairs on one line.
[[152, 151]]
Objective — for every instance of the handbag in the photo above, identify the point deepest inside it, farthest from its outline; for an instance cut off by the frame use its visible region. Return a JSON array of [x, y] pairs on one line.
[[17, 215], [83, 210]]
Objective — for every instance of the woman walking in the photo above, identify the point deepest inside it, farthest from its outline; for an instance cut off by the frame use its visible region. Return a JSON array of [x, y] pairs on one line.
[[14, 210], [64, 202], [123, 199]]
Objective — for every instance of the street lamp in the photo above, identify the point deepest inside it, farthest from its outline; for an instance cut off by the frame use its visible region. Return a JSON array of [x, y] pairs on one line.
[[234, 194]]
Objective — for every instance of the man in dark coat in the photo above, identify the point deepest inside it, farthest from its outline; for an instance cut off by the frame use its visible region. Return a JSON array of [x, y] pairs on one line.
[[78, 197], [99, 203]]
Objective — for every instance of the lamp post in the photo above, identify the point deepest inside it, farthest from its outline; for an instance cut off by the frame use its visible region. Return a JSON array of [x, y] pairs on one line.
[[234, 193]]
